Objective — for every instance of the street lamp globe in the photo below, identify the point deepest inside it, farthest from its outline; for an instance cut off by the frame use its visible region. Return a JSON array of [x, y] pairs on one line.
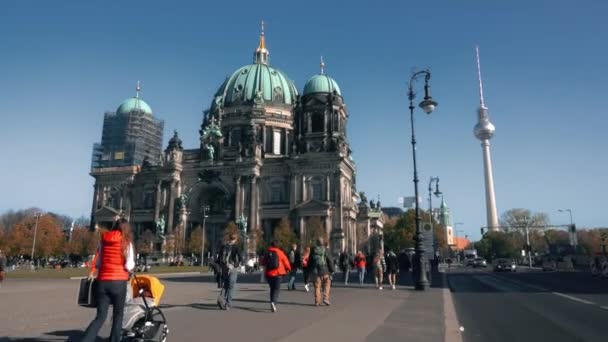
[[428, 105]]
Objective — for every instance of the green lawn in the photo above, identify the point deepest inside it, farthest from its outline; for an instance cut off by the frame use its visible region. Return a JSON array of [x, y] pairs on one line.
[[49, 273]]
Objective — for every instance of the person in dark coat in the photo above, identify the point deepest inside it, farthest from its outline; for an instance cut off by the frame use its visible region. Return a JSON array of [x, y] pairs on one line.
[[321, 267]]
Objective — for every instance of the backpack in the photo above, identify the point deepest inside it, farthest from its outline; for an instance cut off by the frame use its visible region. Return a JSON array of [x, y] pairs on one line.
[[320, 261], [273, 261]]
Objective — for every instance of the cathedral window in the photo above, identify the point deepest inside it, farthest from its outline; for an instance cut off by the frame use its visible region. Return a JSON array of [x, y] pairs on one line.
[[276, 140], [317, 191], [317, 123], [235, 136]]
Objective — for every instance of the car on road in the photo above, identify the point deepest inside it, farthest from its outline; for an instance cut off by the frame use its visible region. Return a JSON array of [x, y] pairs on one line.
[[504, 265], [549, 265], [469, 262], [480, 262]]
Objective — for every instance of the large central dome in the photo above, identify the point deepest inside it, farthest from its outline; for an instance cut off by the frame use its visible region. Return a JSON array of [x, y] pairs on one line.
[[257, 82]]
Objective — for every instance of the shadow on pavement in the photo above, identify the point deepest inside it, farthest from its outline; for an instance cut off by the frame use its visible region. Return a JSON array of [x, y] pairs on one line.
[[60, 335]]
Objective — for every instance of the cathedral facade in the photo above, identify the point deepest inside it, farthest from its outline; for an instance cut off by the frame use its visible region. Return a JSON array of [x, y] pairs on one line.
[[265, 153]]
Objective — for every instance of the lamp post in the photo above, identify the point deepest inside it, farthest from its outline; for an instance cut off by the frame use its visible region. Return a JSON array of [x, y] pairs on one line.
[[572, 231], [205, 210], [456, 231], [427, 105], [35, 233], [437, 193]]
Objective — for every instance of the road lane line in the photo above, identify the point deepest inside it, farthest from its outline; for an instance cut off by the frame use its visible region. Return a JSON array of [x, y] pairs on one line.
[[604, 307], [576, 299]]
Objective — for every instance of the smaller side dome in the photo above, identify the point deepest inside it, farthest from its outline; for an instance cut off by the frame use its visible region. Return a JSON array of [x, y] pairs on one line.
[[134, 104], [321, 83]]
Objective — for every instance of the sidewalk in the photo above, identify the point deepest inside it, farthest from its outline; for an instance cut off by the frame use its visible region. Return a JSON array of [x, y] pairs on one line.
[[356, 314]]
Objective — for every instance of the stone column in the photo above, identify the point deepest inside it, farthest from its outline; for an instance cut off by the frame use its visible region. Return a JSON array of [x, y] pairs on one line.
[[171, 206], [302, 223], [293, 188], [237, 198], [253, 211], [327, 188], [158, 198], [286, 142], [304, 194]]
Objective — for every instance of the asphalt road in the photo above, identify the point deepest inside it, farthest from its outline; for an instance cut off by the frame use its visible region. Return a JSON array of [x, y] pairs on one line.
[[530, 305]]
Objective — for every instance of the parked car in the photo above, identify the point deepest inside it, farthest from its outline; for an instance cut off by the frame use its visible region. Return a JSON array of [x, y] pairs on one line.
[[480, 262], [504, 265], [549, 265]]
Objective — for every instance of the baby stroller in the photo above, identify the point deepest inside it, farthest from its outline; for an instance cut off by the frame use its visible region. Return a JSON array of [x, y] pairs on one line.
[[143, 320]]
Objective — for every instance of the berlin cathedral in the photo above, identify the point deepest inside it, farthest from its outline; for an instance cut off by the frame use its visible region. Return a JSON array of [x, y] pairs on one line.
[[266, 153]]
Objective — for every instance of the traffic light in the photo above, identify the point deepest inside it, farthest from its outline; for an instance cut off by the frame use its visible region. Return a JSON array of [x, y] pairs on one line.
[[572, 228], [481, 232]]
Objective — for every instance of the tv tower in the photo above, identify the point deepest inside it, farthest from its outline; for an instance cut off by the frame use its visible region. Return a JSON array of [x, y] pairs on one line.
[[484, 131]]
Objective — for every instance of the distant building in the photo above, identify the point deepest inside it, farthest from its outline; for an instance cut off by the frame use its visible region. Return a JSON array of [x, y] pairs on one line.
[[130, 136], [391, 212]]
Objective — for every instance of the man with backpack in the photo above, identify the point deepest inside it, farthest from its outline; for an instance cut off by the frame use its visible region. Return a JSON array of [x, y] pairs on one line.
[[321, 266], [277, 265], [295, 262], [229, 261]]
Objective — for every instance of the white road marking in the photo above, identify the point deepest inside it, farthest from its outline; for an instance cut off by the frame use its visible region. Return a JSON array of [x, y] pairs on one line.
[[541, 289], [576, 299]]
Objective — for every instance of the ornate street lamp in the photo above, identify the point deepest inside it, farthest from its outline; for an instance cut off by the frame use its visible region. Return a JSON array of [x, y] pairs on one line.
[[205, 210], [427, 105], [437, 193]]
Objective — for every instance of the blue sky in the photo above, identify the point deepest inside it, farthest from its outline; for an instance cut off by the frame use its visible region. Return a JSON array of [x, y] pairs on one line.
[[63, 64]]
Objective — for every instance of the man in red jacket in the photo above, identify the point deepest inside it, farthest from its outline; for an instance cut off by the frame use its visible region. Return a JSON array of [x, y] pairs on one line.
[[277, 266]]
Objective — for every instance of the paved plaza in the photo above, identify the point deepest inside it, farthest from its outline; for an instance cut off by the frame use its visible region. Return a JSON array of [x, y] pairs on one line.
[[46, 310]]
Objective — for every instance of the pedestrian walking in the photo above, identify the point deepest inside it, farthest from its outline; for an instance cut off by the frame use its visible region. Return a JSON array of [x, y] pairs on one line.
[[230, 260], [392, 267], [2, 267], [115, 259], [360, 264], [305, 268], [295, 262], [346, 262], [277, 265], [379, 265], [321, 266]]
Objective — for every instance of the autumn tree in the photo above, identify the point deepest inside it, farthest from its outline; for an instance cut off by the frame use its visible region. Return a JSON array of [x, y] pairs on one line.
[[83, 242], [195, 241], [284, 235], [145, 242], [49, 237], [399, 233], [314, 229]]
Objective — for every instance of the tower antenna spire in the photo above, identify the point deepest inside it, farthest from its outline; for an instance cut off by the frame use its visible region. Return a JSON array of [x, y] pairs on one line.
[[322, 66], [137, 89], [481, 102]]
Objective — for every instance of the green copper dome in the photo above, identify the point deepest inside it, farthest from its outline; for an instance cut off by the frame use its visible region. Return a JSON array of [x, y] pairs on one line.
[[133, 104], [256, 83], [321, 83]]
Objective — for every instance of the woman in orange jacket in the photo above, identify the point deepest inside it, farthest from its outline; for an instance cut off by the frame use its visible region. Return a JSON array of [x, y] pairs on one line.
[[277, 265], [115, 259]]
